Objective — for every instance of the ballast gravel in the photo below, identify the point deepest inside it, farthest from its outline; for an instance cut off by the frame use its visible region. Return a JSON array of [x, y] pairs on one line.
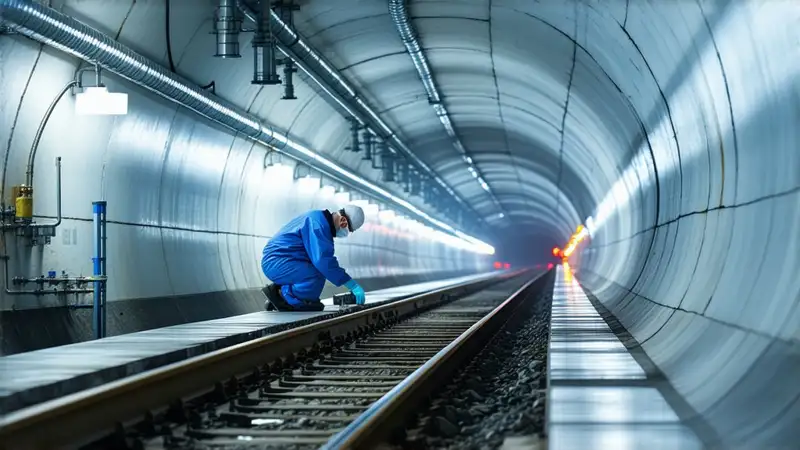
[[500, 394]]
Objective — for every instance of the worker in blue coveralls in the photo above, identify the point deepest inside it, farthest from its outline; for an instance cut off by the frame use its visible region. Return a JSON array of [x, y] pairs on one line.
[[299, 258]]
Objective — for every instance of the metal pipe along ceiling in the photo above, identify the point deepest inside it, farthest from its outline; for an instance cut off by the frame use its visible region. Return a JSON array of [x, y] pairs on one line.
[[49, 26], [315, 66], [399, 13]]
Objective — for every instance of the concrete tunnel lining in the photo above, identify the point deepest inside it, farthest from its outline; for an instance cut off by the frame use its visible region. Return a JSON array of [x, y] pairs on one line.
[[678, 141]]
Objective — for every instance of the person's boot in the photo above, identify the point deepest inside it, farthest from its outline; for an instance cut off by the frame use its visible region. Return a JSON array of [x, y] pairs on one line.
[[275, 301]]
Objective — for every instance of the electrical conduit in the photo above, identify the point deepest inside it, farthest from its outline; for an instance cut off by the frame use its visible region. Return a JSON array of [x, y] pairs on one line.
[[399, 14], [296, 48], [48, 26]]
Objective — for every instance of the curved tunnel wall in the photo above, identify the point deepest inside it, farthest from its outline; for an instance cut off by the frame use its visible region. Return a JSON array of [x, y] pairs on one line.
[[697, 249], [190, 206], [672, 124]]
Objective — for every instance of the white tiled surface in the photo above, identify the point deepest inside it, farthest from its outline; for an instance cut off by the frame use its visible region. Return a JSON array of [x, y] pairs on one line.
[[599, 397]]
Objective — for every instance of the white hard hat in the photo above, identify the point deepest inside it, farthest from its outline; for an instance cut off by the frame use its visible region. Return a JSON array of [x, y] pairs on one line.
[[354, 215]]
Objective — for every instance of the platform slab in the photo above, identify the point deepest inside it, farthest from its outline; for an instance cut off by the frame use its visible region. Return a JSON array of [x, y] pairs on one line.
[[34, 377], [599, 395]]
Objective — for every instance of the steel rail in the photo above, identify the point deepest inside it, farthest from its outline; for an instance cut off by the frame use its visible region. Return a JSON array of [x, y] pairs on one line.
[[381, 421], [86, 416]]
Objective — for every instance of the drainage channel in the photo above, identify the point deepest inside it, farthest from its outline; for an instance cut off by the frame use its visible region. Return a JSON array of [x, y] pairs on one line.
[[302, 400]]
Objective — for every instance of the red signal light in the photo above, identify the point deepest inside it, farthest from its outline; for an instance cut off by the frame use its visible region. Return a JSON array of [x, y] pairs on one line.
[[507, 266], [549, 266], [497, 265]]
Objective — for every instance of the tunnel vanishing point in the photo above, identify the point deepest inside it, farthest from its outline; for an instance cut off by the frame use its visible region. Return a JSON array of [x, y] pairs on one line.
[[472, 132]]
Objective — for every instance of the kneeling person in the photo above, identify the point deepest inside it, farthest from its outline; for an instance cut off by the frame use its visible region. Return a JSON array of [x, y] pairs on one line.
[[300, 258]]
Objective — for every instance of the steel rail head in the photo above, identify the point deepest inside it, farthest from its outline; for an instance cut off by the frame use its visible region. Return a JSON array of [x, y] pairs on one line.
[[371, 426], [88, 415]]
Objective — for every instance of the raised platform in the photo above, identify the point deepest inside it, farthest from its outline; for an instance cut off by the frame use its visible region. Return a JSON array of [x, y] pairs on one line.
[[600, 396], [38, 376]]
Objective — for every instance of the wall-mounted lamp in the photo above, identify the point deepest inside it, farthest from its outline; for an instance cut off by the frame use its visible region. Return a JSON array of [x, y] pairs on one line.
[[302, 171], [371, 209], [96, 100], [278, 173], [327, 191], [387, 215], [309, 181], [359, 202], [342, 197], [272, 158]]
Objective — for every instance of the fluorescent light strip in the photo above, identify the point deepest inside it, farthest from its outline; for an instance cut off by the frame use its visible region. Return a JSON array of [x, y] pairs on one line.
[[481, 246], [182, 90]]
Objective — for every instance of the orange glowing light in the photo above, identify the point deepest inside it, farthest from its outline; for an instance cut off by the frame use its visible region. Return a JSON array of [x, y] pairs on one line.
[[497, 265], [556, 251], [567, 272], [574, 240]]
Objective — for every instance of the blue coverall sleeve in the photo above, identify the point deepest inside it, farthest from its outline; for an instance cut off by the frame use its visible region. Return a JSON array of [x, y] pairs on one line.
[[320, 250]]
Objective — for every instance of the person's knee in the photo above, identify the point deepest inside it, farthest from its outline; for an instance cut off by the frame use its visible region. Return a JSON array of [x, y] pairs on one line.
[[276, 272], [309, 288], [317, 283]]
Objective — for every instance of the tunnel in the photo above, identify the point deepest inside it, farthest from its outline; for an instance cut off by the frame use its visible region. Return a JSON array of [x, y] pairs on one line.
[[474, 133]]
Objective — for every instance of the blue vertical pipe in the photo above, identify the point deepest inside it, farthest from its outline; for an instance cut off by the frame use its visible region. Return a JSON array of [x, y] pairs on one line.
[[99, 269], [104, 286]]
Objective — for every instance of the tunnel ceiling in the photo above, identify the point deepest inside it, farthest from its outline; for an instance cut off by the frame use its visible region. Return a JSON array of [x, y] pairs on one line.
[[504, 70], [550, 99]]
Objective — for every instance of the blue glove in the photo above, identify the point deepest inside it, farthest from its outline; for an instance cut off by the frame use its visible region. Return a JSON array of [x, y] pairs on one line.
[[357, 290]]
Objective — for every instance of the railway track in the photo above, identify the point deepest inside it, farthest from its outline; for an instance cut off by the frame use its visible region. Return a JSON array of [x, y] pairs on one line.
[[308, 405], [347, 382]]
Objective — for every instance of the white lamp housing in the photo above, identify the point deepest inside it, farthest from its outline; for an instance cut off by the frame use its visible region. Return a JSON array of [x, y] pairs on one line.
[[387, 215], [98, 101], [309, 183], [371, 209], [341, 198], [328, 191]]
